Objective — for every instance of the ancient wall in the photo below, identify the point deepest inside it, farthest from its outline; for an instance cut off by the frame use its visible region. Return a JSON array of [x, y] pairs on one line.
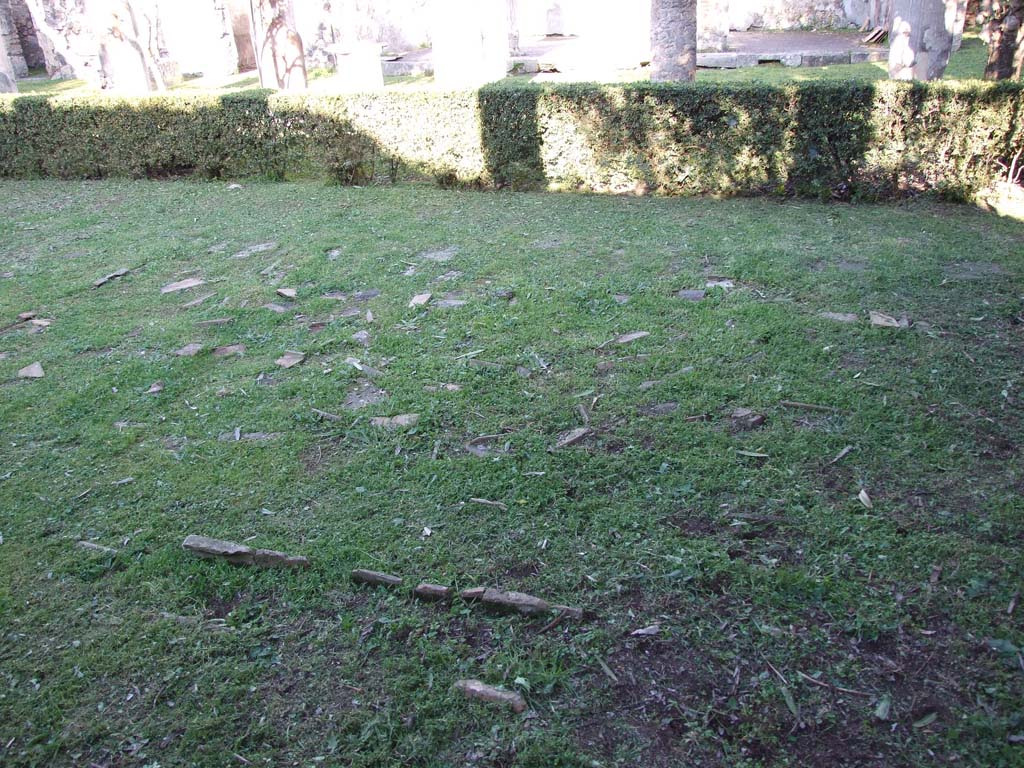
[[30, 48], [12, 42]]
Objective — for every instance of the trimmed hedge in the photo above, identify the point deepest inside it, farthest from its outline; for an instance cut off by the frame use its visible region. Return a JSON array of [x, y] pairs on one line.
[[829, 139]]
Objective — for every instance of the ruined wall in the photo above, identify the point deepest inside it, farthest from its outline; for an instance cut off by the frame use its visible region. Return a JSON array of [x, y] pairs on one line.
[[30, 47], [14, 55]]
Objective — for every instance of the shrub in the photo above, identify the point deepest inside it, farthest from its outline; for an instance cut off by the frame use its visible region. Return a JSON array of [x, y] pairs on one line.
[[828, 139]]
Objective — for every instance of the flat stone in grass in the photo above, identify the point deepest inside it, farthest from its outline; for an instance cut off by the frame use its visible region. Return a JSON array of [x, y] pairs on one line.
[[475, 689], [365, 295], [189, 350], [402, 421], [212, 323], [840, 317], [452, 300], [419, 300], [290, 359], [363, 393], [690, 294], [239, 554], [287, 293], [441, 255], [658, 409], [196, 302], [627, 338], [112, 276], [278, 309], [229, 349], [33, 371], [452, 274], [882, 320], [183, 285], [572, 437], [252, 250], [720, 282], [361, 337], [375, 578], [621, 298], [974, 270]]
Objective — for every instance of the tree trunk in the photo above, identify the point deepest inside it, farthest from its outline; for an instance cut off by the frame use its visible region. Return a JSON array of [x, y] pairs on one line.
[[921, 38], [673, 40], [1005, 33], [280, 59], [7, 82]]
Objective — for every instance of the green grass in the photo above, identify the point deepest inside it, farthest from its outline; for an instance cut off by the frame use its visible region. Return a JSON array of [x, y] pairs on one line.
[[765, 574]]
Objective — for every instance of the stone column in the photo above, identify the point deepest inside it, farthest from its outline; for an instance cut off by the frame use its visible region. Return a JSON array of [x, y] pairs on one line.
[[673, 40], [470, 42], [920, 40], [280, 57]]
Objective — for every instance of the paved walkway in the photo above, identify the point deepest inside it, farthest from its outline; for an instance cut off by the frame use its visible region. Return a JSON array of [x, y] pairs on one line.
[[574, 58]]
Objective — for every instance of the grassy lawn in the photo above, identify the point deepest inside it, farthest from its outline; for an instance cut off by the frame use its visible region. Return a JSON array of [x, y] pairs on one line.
[[793, 624]]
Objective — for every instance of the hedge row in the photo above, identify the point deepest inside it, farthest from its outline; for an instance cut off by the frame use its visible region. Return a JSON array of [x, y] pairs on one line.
[[826, 139]]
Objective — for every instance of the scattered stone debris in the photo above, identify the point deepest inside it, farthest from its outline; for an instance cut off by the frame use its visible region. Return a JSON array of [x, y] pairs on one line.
[[452, 300], [808, 406], [112, 276], [840, 317], [882, 320], [442, 387], [91, 547], [183, 285], [376, 578], [402, 421], [240, 554], [336, 295], [433, 592], [651, 631], [155, 388], [252, 250], [363, 393], [744, 420], [485, 445], [512, 602], [228, 350], [212, 323], [365, 295], [475, 689], [327, 415], [419, 300], [691, 295], [290, 359], [198, 301], [334, 253], [361, 337], [451, 274], [287, 293], [658, 409], [572, 437], [441, 255], [189, 350], [279, 309], [626, 338], [34, 371], [720, 282], [621, 298]]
